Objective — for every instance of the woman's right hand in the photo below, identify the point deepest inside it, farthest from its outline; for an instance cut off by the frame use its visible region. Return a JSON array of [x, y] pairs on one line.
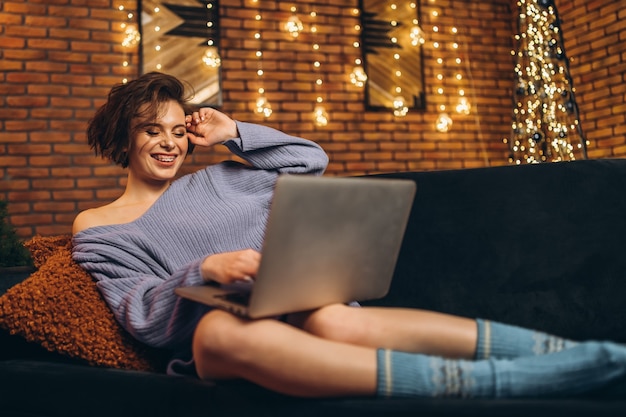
[[231, 266], [207, 127]]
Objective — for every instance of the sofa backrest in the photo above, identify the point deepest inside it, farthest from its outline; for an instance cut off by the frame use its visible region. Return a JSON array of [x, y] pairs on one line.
[[537, 245]]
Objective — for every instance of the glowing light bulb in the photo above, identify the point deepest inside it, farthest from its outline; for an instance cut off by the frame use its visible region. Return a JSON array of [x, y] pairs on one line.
[[463, 106], [263, 107], [400, 109], [294, 26], [320, 116], [358, 76], [417, 36], [211, 58], [132, 36], [443, 123]]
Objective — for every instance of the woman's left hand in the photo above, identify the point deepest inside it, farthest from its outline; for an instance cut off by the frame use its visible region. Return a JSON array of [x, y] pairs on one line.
[[207, 127]]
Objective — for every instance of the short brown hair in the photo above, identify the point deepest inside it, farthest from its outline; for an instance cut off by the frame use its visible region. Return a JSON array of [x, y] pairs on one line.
[[110, 131]]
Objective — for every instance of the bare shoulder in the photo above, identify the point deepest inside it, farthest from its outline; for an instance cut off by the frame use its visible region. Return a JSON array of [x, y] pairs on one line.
[[119, 211], [93, 217]]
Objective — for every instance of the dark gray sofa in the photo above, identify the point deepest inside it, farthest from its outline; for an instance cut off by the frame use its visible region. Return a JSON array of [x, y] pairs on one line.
[[540, 246]]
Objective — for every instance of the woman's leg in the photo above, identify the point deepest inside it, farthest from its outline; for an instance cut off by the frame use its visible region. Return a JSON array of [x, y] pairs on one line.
[[427, 332], [582, 368], [281, 357], [404, 329], [285, 359]]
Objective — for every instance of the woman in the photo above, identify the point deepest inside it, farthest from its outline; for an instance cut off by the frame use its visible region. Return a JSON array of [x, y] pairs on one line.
[[165, 232]]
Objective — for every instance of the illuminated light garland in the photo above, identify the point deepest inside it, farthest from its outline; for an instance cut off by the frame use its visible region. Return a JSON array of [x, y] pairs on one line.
[[462, 106], [545, 117], [262, 104], [132, 37], [444, 121], [399, 106], [211, 56], [294, 25], [358, 77], [320, 116]]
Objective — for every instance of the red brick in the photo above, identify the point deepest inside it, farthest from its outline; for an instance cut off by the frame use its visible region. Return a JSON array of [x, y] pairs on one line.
[[48, 44], [24, 8], [14, 43], [24, 54], [28, 172]]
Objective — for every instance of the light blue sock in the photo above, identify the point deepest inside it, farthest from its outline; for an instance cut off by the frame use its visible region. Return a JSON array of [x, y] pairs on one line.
[[581, 368], [498, 340]]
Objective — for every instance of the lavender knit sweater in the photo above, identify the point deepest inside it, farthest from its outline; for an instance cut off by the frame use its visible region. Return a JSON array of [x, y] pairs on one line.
[[221, 208]]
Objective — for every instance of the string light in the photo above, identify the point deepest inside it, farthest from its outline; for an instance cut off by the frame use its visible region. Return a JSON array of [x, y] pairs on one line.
[[132, 37], [545, 118], [211, 57], [417, 34], [320, 116], [262, 104], [294, 25], [448, 72], [463, 106], [400, 109], [358, 77], [444, 121]]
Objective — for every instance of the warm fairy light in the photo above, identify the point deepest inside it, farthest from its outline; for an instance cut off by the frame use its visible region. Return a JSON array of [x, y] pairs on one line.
[[211, 58], [463, 106], [443, 123], [417, 35], [448, 75], [263, 107], [131, 39], [400, 108], [131, 33], [294, 25], [132, 36], [358, 76], [545, 126], [262, 104], [320, 115]]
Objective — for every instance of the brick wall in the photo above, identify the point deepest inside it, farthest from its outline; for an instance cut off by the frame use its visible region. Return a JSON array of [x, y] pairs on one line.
[[58, 59], [595, 37]]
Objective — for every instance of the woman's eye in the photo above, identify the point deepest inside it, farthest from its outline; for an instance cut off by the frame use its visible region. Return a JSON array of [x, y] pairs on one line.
[[152, 133], [180, 134]]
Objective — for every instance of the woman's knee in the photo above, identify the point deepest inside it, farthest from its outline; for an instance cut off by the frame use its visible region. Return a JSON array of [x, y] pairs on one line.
[[335, 322], [217, 342]]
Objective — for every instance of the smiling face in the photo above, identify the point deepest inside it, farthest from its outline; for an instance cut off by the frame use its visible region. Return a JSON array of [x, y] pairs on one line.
[[159, 146]]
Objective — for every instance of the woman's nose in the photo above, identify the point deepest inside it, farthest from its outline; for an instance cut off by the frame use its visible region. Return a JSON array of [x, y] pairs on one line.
[[168, 142]]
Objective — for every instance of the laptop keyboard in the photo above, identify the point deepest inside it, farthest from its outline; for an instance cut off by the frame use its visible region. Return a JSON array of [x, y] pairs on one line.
[[236, 297]]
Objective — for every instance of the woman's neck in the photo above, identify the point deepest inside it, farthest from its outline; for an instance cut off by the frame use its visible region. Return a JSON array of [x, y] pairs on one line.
[[140, 192]]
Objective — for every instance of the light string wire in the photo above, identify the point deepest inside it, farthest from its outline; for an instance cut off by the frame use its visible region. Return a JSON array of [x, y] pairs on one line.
[[262, 105], [320, 115], [130, 41]]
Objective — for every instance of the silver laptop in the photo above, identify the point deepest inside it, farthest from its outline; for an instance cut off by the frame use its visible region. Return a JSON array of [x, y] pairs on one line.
[[328, 240]]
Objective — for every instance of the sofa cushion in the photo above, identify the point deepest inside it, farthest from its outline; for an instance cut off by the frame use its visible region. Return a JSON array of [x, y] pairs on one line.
[[60, 308]]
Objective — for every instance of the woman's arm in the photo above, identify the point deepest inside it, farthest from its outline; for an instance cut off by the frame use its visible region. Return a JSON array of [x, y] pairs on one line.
[[267, 148], [261, 146], [139, 291]]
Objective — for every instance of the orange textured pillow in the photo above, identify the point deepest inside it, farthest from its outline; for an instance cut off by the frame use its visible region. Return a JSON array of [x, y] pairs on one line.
[[60, 308]]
